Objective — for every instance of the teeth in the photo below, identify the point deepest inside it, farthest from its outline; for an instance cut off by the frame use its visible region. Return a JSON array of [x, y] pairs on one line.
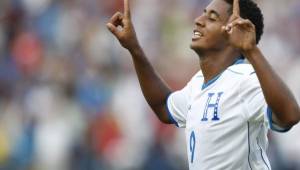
[[197, 34]]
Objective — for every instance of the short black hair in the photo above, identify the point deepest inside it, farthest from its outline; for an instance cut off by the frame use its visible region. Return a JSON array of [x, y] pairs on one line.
[[250, 10]]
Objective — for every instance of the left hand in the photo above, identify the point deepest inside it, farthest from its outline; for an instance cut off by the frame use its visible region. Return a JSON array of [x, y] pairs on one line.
[[240, 32]]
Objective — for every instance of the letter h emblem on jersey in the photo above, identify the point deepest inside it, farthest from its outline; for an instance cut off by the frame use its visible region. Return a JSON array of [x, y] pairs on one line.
[[212, 105]]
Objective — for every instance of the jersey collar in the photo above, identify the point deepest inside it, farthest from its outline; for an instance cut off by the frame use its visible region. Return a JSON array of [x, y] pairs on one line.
[[239, 60]]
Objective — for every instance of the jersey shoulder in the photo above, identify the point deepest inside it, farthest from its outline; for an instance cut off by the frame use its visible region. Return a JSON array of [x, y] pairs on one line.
[[197, 76], [244, 69], [196, 79]]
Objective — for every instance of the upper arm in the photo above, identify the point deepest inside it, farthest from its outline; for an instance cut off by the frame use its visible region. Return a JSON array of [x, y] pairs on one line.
[[275, 123], [177, 105]]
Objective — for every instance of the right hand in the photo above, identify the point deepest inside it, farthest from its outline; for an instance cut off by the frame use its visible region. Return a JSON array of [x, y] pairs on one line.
[[125, 33]]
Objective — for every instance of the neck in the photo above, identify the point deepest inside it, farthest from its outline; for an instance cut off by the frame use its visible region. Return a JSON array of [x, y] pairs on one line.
[[214, 63]]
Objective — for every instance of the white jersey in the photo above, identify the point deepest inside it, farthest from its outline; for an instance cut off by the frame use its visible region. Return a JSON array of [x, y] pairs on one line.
[[226, 120]]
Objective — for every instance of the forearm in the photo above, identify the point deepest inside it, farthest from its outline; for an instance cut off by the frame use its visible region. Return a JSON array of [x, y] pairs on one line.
[[153, 87], [277, 94]]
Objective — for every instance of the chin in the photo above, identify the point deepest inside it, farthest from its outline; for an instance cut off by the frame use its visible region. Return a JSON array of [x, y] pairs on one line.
[[198, 49], [193, 46]]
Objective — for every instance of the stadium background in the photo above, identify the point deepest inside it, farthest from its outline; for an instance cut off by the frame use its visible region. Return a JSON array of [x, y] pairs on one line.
[[69, 97]]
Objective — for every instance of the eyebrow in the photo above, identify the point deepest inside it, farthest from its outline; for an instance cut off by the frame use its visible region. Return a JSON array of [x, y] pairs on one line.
[[212, 12]]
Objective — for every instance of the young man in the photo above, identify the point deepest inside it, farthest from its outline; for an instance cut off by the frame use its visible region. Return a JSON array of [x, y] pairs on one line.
[[227, 107]]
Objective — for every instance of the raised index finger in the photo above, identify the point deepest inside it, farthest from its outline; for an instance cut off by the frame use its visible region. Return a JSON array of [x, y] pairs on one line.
[[236, 8], [126, 8]]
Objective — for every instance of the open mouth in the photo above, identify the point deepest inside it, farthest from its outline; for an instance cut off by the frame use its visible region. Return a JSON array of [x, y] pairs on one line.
[[197, 35]]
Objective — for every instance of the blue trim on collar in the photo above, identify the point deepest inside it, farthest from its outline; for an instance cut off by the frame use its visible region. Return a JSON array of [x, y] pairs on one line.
[[240, 60], [204, 85]]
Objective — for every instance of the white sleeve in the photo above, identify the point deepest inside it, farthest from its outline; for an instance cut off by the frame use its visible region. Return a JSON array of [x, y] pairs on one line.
[[177, 105], [255, 103], [253, 98]]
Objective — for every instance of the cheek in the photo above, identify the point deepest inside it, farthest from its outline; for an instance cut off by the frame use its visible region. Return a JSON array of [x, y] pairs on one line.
[[215, 36]]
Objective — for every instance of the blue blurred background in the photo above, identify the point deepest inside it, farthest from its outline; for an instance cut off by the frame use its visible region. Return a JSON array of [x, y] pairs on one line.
[[69, 97]]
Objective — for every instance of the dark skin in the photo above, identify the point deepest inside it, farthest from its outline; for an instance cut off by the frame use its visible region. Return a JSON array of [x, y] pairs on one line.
[[218, 39], [213, 48]]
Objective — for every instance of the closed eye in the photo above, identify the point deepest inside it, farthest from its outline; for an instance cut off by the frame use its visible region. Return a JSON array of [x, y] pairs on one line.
[[212, 19], [212, 15]]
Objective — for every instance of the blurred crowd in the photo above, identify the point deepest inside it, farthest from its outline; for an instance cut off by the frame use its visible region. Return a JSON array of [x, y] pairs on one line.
[[69, 96]]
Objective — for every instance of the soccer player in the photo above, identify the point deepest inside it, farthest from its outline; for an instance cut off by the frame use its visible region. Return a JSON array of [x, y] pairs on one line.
[[229, 105]]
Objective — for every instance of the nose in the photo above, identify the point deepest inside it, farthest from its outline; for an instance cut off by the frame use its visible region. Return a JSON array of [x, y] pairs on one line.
[[199, 21]]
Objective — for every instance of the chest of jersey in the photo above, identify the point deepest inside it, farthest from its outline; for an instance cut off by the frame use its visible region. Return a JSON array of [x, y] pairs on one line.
[[215, 107], [219, 133], [215, 117]]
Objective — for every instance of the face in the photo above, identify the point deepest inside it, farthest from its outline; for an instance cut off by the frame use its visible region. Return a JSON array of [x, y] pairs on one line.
[[208, 34]]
